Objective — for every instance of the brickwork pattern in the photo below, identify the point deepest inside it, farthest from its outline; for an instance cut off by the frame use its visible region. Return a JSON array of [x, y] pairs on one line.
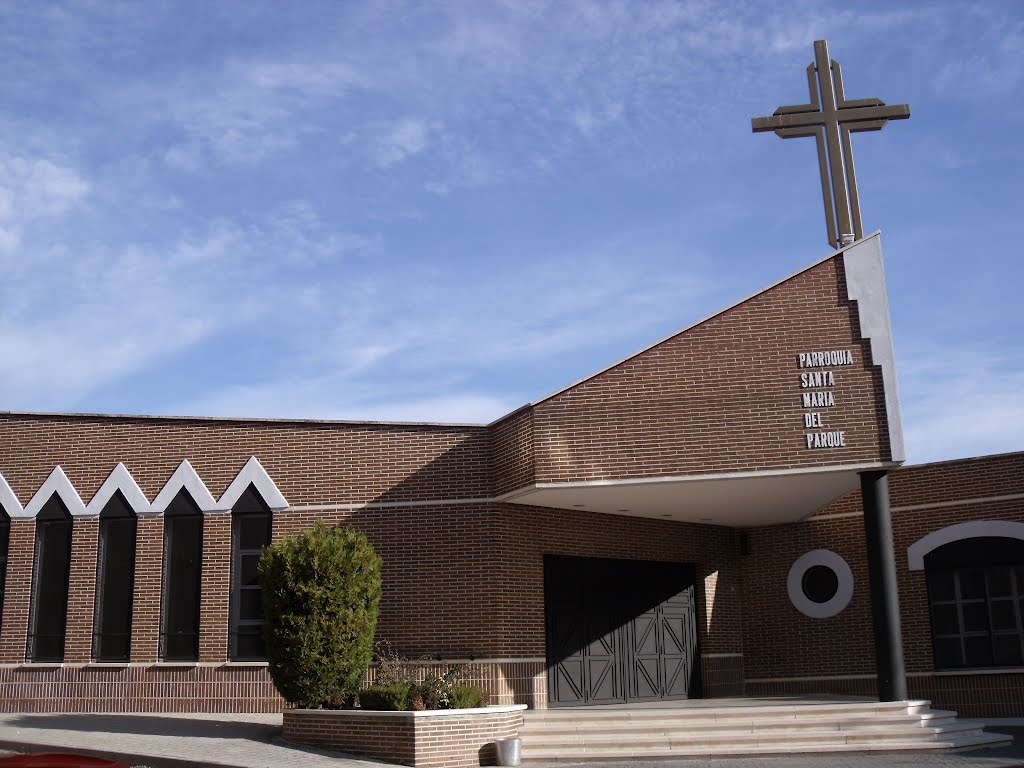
[[512, 461], [310, 462], [723, 676], [17, 591], [146, 602], [137, 688], [81, 589], [216, 581], [437, 741], [516, 605], [780, 642], [722, 396]]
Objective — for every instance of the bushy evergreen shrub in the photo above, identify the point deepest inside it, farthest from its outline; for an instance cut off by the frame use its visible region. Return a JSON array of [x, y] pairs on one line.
[[392, 697], [321, 594], [467, 697]]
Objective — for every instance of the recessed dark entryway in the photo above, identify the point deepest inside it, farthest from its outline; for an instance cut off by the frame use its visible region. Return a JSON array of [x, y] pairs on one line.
[[619, 630]]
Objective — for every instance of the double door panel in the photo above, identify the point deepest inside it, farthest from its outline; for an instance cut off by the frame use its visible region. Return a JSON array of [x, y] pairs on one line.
[[619, 631]]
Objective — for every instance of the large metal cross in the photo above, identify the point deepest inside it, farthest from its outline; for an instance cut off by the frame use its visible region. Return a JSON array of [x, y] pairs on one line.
[[830, 118]]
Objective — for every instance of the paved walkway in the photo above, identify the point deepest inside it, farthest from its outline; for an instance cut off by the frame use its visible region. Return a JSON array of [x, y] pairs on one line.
[[168, 740], [247, 741]]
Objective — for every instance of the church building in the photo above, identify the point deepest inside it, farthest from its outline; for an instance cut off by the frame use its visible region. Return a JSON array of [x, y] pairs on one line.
[[723, 513]]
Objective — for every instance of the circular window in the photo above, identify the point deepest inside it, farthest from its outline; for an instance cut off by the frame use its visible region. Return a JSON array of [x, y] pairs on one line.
[[820, 584]]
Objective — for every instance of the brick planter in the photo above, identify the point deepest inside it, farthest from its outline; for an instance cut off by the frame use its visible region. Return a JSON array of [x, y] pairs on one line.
[[452, 738]]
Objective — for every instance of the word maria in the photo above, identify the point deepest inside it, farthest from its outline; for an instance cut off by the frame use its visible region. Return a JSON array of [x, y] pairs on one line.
[[822, 437]]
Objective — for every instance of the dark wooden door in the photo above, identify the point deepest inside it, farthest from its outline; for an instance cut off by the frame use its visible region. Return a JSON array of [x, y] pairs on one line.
[[619, 630]]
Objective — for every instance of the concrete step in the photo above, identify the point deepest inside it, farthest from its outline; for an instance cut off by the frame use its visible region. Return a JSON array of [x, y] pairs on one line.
[[824, 709], [668, 724], [760, 737], [754, 729], [535, 754]]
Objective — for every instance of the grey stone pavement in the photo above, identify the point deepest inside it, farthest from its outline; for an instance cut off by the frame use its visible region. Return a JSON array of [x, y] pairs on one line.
[[249, 741]]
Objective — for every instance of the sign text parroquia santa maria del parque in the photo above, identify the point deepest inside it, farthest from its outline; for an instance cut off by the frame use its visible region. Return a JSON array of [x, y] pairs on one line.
[[816, 394]]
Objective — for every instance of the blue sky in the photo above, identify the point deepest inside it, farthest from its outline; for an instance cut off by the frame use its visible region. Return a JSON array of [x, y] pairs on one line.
[[442, 211]]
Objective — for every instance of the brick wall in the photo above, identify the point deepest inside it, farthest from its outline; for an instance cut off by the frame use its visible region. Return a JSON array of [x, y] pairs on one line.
[[788, 653], [407, 738], [17, 591], [146, 602], [512, 461], [311, 462], [721, 396], [81, 589]]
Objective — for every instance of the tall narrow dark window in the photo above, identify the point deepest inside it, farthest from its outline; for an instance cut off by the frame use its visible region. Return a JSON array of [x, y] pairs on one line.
[[52, 569], [250, 533], [5, 539], [115, 580], [183, 561]]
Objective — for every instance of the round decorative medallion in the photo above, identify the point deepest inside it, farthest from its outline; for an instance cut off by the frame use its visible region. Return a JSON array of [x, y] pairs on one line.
[[820, 584]]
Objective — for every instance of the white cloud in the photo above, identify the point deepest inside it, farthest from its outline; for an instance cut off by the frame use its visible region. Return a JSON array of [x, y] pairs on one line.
[[407, 138], [962, 400]]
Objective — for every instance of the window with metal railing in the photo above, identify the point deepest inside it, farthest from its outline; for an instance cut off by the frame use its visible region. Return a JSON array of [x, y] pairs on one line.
[[976, 597], [115, 581], [250, 533], [50, 574], [183, 563]]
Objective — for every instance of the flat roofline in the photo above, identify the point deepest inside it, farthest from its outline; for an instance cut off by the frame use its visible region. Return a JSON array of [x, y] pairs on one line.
[[983, 457], [242, 419]]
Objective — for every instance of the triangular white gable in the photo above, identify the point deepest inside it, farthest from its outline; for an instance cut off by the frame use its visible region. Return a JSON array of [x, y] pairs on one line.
[[184, 477], [120, 479], [9, 501], [253, 472], [57, 483]]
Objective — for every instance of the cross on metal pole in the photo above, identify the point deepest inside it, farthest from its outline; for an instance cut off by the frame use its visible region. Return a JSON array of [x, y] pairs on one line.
[[830, 118]]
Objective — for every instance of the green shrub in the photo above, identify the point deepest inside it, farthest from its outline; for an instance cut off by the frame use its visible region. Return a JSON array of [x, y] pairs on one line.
[[390, 697], [467, 697], [321, 594]]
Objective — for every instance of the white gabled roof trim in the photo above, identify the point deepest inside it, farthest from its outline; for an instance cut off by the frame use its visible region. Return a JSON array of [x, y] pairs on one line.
[[1004, 529], [57, 483], [254, 473], [9, 500], [120, 479], [184, 477]]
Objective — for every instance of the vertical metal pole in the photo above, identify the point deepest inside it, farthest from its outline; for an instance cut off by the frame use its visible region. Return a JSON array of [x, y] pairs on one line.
[[885, 607]]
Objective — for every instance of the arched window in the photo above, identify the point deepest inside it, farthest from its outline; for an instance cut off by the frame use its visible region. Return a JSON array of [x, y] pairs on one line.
[[5, 539], [250, 533], [115, 580], [976, 597], [52, 569], [183, 562]]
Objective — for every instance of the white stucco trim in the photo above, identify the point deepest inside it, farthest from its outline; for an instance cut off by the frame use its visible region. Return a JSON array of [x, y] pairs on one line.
[[57, 483], [1005, 529], [9, 500], [120, 479], [844, 590], [865, 284], [253, 472], [184, 477]]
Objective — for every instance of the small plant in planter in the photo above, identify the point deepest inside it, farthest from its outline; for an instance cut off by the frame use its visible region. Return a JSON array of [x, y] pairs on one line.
[[398, 687], [321, 595]]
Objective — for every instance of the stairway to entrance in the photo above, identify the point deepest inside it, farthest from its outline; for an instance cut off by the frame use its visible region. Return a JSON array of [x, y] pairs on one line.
[[706, 728]]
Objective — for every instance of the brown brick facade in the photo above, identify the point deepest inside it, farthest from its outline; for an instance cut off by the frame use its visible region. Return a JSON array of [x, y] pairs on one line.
[[425, 740], [722, 396], [788, 653], [464, 569]]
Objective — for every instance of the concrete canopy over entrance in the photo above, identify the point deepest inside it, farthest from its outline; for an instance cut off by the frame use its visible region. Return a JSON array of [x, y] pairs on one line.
[[737, 500], [762, 414]]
